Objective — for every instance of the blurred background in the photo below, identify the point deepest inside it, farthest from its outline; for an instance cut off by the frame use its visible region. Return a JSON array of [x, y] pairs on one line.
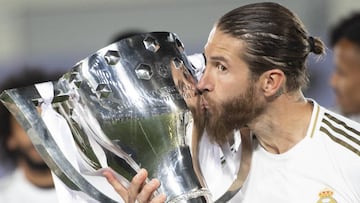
[[54, 35]]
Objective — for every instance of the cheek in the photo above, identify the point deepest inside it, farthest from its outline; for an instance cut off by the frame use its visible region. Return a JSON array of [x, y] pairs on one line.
[[227, 94], [12, 143], [350, 85], [230, 89], [342, 85], [21, 139], [352, 88], [348, 94]]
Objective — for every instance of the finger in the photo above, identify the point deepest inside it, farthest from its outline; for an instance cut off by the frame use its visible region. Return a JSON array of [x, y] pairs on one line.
[[136, 185], [147, 191], [118, 187], [159, 199]]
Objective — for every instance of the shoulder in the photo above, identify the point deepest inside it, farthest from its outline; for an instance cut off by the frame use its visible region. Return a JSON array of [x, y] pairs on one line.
[[11, 182], [341, 130]]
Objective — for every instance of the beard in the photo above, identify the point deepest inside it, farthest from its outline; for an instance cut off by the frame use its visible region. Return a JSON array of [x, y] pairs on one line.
[[35, 165], [231, 115]]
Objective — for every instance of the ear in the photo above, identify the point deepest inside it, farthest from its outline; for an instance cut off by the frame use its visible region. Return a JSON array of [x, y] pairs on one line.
[[273, 82]]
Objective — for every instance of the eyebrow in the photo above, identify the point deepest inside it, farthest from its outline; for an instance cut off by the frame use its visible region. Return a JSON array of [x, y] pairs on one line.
[[218, 58]]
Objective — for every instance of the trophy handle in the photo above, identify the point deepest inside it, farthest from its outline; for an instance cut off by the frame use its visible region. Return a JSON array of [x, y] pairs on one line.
[[25, 112]]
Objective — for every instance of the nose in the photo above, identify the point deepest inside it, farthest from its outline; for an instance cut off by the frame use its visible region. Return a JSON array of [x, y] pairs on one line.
[[205, 83]]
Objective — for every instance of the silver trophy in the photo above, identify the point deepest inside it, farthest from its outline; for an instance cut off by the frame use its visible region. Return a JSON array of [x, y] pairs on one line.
[[126, 108]]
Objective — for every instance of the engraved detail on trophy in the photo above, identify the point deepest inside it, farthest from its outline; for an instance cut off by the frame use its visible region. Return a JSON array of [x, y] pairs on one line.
[[171, 37], [74, 75], [179, 44], [151, 44], [112, 57], [103, 91], [163, 71], [144, 72]]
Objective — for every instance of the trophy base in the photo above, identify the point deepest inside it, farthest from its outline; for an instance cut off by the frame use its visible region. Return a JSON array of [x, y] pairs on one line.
[[197, 196]]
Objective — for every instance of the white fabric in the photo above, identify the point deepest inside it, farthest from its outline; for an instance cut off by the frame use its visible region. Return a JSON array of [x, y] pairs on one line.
[[315, 164], [354, 117], [218, 165], [61, 133], [15, 188]]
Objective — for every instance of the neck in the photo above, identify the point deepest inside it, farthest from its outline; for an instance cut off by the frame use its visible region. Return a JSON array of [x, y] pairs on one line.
[[40, 178], [283, 124]]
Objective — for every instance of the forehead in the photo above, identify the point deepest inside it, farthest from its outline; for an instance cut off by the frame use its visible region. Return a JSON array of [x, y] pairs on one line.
[[347, 51], [223, 43]]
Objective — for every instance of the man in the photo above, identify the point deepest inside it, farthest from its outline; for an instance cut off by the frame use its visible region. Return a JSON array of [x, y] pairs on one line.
[[31, 180], [255, 70], [345, 80]]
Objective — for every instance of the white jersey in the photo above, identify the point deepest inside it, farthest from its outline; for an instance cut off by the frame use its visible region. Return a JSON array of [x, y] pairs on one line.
[[15, 188], [219, 165], [323, 167], [354, 117]]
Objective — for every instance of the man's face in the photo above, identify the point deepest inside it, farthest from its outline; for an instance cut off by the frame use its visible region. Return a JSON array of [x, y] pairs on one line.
[[20, 142], [345, 79], [230, 97]]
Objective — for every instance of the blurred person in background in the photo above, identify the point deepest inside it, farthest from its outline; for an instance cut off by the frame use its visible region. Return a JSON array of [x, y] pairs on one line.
[[345, 80], [31, 179]]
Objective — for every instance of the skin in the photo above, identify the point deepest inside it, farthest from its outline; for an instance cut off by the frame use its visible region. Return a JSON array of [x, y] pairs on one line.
[[226, 86], [345, 79], [19, 140], [137, 190], [284, 120], [281, 122], [220, 56]]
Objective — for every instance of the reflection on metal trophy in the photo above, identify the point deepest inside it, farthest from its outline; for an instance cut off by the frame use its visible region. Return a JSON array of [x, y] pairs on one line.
[[126, 108]]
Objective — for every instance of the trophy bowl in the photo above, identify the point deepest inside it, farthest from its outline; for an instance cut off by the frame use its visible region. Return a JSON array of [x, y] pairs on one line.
[[124, 107]]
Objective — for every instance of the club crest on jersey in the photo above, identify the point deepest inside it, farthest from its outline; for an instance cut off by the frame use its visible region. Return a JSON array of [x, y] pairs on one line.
[[326, 196]]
